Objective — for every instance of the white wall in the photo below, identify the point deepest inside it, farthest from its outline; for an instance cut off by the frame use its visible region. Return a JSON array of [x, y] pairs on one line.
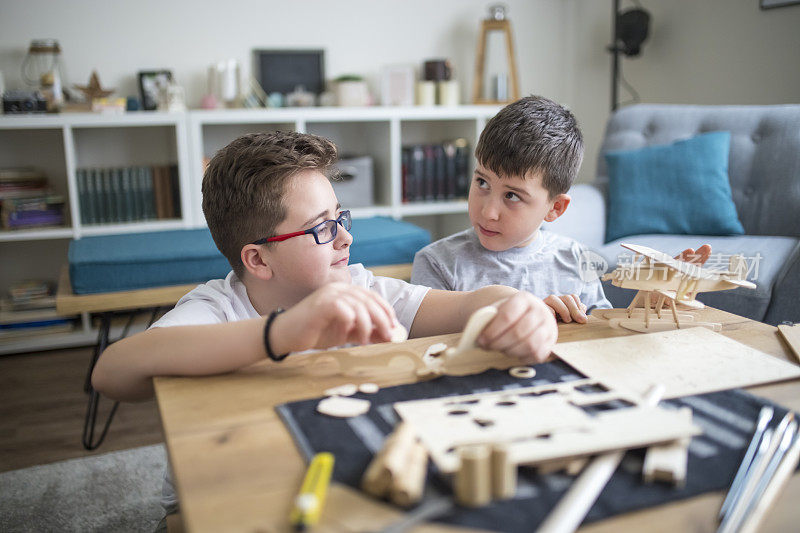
[[359, 36], [699, 52]]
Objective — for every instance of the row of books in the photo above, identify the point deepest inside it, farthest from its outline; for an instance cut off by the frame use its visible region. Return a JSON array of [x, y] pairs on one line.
[[26, 200], [30, 309], [128, 194], [434, 172]]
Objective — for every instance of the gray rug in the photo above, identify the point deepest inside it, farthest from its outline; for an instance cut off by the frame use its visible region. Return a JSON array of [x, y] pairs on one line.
[[117, 491]]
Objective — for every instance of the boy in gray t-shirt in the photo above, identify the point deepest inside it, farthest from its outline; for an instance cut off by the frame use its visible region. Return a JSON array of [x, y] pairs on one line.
[[528, 155]]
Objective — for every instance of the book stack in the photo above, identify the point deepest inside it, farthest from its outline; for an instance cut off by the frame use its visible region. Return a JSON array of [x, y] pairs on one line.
[[29, 310], [435, 172], [128, 194], [26, 200]]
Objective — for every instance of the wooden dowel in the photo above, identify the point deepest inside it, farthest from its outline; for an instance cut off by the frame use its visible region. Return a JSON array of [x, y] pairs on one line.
[[504, 473], [473, 480]]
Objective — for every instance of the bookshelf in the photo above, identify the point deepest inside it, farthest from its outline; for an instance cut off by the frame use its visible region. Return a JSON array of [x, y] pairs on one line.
[[62, 144]]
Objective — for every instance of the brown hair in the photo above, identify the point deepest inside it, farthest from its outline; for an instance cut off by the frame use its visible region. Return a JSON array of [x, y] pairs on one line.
[[533, 134], [245, 182]]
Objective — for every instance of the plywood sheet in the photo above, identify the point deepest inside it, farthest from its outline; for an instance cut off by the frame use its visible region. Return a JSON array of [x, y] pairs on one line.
[[541, 423], [791, 334], [686, 361]]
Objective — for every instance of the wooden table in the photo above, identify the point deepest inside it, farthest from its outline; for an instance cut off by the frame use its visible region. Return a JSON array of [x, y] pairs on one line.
[[237, 469]]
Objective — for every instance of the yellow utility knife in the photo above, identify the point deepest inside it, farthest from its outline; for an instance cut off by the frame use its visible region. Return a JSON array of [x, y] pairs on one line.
[[309, 503]]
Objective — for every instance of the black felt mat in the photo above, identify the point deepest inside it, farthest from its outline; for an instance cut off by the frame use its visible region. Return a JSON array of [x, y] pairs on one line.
[[727, 418]]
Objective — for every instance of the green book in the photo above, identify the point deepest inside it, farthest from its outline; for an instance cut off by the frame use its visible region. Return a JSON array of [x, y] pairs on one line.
[[83, 208], [119, 195], [129, 178], [147, 190], [107, 195], [98, 201]]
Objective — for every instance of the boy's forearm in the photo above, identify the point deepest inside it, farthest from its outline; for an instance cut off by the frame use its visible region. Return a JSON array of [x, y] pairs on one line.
[[126, 368], [482, 297], [448, 311]]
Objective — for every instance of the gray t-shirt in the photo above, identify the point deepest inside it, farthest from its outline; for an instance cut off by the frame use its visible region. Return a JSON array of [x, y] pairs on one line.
[[551, 264]]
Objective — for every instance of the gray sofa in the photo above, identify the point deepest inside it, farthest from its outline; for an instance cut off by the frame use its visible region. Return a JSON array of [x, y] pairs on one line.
[[764, 172]]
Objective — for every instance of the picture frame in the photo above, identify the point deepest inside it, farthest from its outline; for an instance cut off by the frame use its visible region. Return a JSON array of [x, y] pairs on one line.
[[282, 71], [397, 85], [771, 4], [151, 82]]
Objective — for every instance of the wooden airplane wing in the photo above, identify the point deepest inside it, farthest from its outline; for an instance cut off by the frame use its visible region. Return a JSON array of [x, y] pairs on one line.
[[687, 269], [741, 283]]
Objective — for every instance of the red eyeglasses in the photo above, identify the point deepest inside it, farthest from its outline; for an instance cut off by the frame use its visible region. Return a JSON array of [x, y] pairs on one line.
[[324, 232]]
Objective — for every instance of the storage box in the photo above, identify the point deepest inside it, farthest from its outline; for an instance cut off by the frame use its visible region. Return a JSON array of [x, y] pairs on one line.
[[354, 187]]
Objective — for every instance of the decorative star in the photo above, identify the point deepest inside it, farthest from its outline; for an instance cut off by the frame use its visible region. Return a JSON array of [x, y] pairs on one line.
[[94, 90]]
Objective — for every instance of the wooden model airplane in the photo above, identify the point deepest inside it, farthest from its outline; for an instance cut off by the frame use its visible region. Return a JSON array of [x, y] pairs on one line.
[[673, 282]]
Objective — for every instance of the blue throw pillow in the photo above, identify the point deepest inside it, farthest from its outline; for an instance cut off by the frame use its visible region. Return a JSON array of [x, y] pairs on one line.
[[679, 188]]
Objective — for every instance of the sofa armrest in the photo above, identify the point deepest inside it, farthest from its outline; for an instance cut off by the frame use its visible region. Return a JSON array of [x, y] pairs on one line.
[[585, 218], [783, 305]]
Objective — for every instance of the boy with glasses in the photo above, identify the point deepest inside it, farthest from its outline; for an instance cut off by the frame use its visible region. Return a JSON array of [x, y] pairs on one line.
[[272, 212]]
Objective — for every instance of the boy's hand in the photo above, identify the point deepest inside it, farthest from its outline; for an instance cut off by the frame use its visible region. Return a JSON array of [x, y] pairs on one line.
[[333, 315], [698, 256], [567, 307], [524, 327], [689, 255]]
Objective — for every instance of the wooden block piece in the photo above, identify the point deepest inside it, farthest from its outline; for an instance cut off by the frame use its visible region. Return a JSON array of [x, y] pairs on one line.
[[368, 388], [522, 372], [342, 390], [473, 479], [399, 333], [504, 473], [388, 463], [376, 479], [397, 447], [408, 484], [551, 467], [342, 407], [575, 466], [667, 463]]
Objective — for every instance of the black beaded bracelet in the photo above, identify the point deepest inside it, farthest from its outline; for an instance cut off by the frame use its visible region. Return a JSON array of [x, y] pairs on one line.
[[267, 347]]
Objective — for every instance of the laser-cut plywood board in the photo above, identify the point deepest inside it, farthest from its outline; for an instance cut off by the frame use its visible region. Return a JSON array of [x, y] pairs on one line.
[[542, 423], [686, 361]]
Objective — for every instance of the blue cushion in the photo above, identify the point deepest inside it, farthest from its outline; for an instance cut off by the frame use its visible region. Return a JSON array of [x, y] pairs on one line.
[[385, 241], [680, 188], [131, 261], [109, 263]]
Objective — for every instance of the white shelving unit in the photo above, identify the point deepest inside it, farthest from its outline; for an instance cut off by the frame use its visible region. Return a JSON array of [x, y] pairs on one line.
[[380, 132], [60, 144]]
